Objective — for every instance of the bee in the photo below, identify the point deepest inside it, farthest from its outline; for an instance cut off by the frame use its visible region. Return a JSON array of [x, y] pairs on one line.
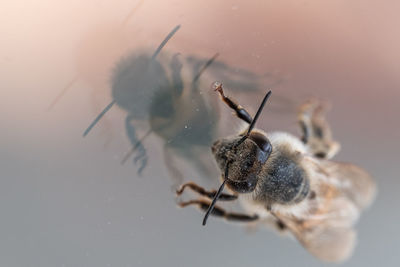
[[162, 91], [289, 182]]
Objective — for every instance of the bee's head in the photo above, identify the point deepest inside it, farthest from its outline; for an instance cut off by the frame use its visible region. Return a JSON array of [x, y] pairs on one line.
[[242, 159]]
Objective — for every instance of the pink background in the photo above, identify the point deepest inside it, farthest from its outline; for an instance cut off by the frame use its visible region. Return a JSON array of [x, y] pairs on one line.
[[66, 201]]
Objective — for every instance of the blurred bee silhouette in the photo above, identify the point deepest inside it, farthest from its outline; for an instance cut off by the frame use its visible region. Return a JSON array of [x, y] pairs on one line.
[[97, 53], [289, 183], [165, 90]]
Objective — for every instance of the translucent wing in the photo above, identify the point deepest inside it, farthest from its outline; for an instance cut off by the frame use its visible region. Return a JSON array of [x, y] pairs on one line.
[[323, 222], [328, 243], [353, 181]]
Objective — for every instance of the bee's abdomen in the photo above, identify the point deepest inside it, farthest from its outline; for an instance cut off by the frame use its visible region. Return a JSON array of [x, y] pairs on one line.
[[285, 182]]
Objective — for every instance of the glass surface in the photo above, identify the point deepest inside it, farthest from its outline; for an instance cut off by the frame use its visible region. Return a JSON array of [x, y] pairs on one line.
[[69, 200]]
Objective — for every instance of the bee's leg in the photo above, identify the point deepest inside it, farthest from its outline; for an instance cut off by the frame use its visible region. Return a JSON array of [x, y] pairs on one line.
[[137, 146], [208, 194], [241, 113], [220, 212], [141, 157], [317, 134]]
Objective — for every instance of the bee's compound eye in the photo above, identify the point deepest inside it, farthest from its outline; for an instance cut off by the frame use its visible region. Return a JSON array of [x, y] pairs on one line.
[[267, 147], [261, 141]]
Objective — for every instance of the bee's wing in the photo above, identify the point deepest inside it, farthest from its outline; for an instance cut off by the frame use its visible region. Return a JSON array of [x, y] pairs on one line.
[[329, 243], [326, 230], [353, 181], [325, 227]]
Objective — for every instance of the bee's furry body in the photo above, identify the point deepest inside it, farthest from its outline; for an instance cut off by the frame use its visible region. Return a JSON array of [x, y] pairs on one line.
[[288, 148], [292, 181], [327, 203], [286, 152]]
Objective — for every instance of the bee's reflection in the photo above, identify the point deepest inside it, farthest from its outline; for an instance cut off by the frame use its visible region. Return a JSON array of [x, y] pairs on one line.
[[172, 94]]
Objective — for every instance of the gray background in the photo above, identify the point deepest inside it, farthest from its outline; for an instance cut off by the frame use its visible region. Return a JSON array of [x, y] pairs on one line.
[[67, 201]]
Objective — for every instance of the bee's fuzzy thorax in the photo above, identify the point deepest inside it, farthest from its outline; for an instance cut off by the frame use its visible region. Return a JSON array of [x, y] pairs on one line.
[[282, 178]]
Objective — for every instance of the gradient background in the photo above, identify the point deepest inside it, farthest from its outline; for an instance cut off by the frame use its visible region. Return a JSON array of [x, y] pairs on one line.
[[66, 201]]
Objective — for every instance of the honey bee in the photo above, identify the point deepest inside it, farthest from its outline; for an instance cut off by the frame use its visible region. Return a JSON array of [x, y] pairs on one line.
[[289, 182]]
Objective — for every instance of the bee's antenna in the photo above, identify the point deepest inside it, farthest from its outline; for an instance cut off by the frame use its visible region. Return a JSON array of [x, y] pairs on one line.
[[219, 192], [164, 42], [259, 112], [211, 207], [253, 122], [98, 118], [208, 63]]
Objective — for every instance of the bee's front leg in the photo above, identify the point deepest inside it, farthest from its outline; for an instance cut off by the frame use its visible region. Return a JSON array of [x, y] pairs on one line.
[[241, 112], [219, 212], [137, 146], [317, 134]]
